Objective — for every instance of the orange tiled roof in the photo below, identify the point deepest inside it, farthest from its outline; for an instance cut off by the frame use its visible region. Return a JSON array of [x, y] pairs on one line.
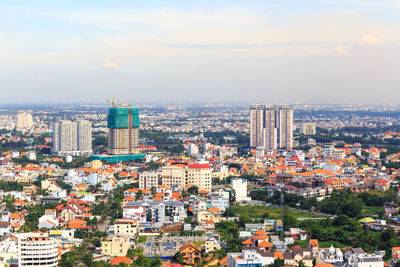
[[265, 244], [120, 259], [314, 242], [248, 242]]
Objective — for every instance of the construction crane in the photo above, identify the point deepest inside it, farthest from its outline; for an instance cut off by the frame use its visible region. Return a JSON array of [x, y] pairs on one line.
[[113, 101]]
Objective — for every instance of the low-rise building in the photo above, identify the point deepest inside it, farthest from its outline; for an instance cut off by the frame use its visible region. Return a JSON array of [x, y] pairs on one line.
[[356, 257], [37, 249], [191, 253], [115, 246], [126, 227]]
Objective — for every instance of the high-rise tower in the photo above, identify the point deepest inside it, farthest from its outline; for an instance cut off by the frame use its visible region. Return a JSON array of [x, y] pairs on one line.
[[271, 127], [84, 131], [285, 126], [123, 130], [270, 133], [256, 125], [24, 120], [72, 138]]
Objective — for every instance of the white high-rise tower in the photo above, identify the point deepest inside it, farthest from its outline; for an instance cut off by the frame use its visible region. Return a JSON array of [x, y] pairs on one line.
[[84, 135], [285, 126], [72, 138]]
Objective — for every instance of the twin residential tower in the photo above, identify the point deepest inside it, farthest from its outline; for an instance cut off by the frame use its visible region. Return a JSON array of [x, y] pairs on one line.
[[72, 138], [271, 127]]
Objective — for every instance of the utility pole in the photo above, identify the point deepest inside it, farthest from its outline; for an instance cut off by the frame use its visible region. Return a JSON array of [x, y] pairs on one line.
[[282, 201]]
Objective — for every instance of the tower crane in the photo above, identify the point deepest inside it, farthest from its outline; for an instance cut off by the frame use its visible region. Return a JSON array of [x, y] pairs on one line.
[[113, 101]]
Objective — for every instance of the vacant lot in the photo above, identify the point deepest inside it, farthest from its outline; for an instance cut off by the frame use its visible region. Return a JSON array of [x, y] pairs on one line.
[[272, 212]]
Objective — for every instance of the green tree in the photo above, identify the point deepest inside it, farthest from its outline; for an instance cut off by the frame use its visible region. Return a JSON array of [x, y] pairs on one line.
[[87, 259], [178, 257], [277, 263], [193, 190]]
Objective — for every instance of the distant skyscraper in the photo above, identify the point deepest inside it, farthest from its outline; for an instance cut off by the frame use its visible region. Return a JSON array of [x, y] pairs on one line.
[[285, 126], [270, 133], [256, 125], [308, 128], [24, 120], [84, 128], [270, 127], [123, 130], [72, 138]]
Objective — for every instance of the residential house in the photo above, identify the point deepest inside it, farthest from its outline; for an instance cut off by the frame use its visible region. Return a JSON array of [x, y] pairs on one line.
[[260, 239], [19, 204], [30, 190], [191, 253], [48, 221], [299, 255], [50, 186], [395, 254], [330, 255], [5, 228], [251, 256], [212, 243], [207, 216], [356, 257]]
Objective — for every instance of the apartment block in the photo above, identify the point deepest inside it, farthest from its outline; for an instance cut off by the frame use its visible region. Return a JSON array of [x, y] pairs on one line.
[[37, 249]]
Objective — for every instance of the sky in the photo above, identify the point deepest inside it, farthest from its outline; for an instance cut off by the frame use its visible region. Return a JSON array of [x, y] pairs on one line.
[[255, 51]]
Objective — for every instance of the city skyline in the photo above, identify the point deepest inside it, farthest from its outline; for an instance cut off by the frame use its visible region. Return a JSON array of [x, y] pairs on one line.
[[201, 52]]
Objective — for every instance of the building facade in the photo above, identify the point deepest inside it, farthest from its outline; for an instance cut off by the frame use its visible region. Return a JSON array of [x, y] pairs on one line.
[[182, 176], [149, 179], [115, 246], [240, 187], [37, 249]]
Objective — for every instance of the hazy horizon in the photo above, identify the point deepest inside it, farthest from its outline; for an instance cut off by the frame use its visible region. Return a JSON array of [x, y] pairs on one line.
[[311, 52]]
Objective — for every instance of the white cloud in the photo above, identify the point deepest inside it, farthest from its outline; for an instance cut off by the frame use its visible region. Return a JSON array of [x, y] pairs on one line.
[[341, 50], [110, 64], [371, 39]]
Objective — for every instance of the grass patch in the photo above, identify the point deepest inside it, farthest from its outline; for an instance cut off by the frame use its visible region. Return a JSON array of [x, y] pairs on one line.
[[372, 210], [322, 244], [199, 243], [272, 212]]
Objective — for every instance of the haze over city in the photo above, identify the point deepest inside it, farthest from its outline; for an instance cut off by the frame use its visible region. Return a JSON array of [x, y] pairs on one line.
[[312, 51], [177, 133]]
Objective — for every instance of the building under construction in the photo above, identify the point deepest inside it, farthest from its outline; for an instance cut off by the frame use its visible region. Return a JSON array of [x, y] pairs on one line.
[[123, 130]]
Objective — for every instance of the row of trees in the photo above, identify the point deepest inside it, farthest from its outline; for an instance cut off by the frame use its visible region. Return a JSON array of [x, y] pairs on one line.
[[340, 202]]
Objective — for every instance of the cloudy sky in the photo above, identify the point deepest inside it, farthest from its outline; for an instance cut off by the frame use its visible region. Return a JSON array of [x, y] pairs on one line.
[[275, 51]]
